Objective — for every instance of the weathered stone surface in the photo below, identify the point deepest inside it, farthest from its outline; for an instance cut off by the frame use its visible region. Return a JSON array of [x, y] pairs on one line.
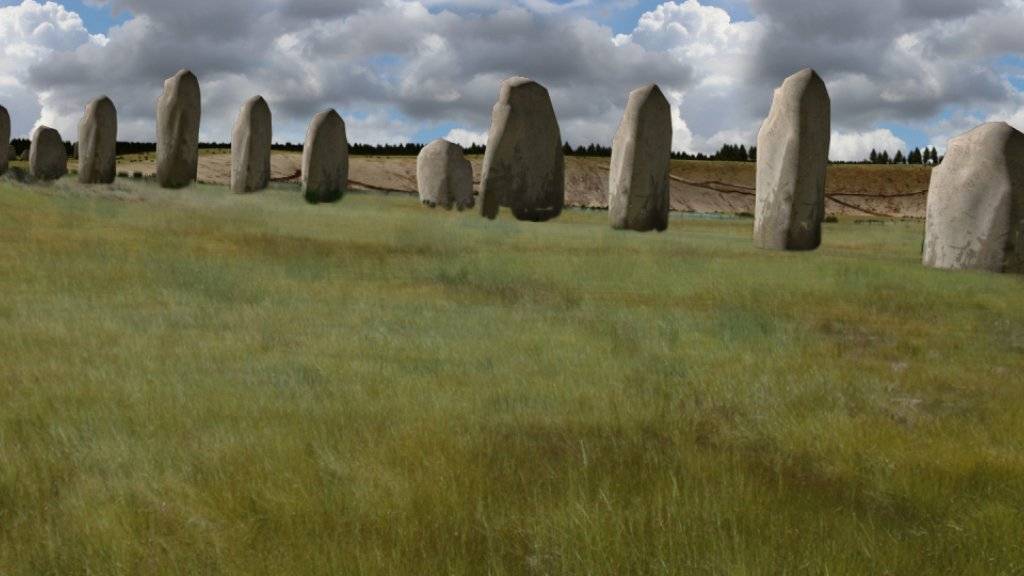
[[48, 159], [325, 159], [976, 202], [5, 139], [178, 113], [444, 177], [792, 156], [97, 143], [523, 167], [251, 141], [638, 188]]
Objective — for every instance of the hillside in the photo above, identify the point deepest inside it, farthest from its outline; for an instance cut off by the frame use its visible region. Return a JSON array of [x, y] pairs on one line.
[[705, 187]]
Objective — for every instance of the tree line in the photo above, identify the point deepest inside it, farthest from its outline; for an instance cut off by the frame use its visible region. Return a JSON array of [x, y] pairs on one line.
[[915, 156], [728, 152]]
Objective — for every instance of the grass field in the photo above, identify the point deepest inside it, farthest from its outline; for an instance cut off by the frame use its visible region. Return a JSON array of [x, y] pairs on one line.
[[198, 383]]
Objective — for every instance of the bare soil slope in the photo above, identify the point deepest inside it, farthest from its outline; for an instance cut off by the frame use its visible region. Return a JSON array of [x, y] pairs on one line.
[[724, 187]]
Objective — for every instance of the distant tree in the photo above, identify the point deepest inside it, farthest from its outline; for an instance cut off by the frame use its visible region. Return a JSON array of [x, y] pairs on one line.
[[899, 159], [884, 158], [752, 154], [873, 158]]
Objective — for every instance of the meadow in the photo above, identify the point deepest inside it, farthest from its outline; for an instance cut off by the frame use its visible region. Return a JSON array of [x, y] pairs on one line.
[[193, 382]]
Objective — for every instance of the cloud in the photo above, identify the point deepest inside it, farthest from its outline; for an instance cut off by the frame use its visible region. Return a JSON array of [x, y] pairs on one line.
[[857, 146], [33, 33], [396, 69], [465, 138]]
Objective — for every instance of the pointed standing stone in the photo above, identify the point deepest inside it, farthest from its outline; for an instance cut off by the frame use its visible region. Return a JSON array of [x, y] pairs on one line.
[[792, 157], [325, 159], [178, 113], [976, 202], [47, 159], [251, 141], [5, 139], [523, 167], [638, 189], [97, 143], [444, 177]]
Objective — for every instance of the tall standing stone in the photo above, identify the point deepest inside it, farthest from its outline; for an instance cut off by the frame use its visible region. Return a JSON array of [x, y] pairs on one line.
[[976, 202], [177, 131], [47, 159], [5, 139], [444, 177], [325, 159], [251, 141], [97, 143], [523, 167], [792, 158], [638, 187]]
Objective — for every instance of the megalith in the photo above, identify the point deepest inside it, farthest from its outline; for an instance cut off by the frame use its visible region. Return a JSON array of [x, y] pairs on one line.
[[444, 177], [178, 113], [5, 139], [97, 143], [638, 187], [792, 158], [251, 141], [523, 167], [975, 213], [47, 159], [325, 159]]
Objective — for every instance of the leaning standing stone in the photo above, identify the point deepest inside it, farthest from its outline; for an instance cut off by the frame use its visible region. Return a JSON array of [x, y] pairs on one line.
[[444, 177], [523, 167], [325, 159], [97, 143], [48, 159], [5, 139], [177, 131], [792, 157], [251, 141], [638, 189], [975, 202]]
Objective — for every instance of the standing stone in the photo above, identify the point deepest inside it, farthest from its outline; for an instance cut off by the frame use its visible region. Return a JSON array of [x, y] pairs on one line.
[[444, 177], [792, 157], [638, 189], [97, 143], [251, 141], [976, 202], [48, 159], [5, 139], [177, 131], [523, 167], [325, 159]]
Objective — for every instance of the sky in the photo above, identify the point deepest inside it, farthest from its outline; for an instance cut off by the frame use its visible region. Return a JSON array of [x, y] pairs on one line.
[[900, 73]]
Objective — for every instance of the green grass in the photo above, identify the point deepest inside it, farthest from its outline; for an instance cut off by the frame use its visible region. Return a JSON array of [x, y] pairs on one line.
[[198, 383]]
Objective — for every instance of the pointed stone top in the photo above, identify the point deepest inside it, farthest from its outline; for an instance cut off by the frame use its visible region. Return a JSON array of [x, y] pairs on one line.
[[255, 103], [647, 91], [998, 126], [329, 113], [805, 76], [517, 81], [183, 72]]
